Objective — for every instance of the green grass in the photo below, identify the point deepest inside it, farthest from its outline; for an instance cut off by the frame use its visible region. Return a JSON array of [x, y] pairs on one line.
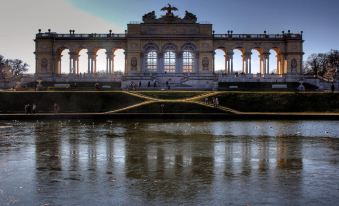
[[173, 108], [13, 102], [171, 94], [280, 101], [103, 101], [263, 86]]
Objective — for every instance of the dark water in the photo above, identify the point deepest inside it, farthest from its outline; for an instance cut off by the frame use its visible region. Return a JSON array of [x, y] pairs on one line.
[[169, 163]]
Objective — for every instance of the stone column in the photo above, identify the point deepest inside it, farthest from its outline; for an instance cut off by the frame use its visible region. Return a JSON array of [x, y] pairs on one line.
[[58, 64], [109, 63], [263, 59], [73, 63], [179, 62], [278, 62], [226, 64], [243, 63], [268, 63], [248, 55], [230, 62], [196, 65], [92, 62], [160, 63]]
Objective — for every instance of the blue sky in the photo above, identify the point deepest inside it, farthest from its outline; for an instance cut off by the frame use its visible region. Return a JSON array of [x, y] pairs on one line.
[[318, 19]]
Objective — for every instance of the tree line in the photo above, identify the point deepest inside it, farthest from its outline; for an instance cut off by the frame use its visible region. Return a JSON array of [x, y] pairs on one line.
[[322, 63], [11, 69]]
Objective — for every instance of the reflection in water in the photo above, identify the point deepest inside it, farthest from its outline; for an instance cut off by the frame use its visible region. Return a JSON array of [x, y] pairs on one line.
[[170, 162]]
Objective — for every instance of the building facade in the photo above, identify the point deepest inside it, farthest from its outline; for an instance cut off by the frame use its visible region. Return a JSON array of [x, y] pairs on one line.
[[170, 48]]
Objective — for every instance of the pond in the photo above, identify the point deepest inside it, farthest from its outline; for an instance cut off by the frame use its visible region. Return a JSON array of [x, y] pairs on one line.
[[169, 162]]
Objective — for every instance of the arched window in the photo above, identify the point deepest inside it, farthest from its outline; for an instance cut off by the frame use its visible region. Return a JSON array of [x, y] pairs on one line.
[[188, 59], [152, 61], [169, 61]]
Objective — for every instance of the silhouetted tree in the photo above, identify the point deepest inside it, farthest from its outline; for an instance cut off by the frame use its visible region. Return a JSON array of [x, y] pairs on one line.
[[2, 66], [319, 63], [18, 67]]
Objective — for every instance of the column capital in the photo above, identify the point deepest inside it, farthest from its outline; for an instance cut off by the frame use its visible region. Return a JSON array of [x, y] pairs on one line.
[[230, 53], [92, 55]]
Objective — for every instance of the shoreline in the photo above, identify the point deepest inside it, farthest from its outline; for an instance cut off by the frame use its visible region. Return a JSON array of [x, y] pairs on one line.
[[186, 116]]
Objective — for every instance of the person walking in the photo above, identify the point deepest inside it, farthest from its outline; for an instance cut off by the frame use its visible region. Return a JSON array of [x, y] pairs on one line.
[[33, 108], [26, 109], [216, 102]]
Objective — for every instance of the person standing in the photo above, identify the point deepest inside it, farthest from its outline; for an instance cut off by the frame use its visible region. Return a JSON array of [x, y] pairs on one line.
[[332, 88]]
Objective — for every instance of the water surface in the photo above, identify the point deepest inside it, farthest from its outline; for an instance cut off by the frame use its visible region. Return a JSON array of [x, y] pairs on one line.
[[169, 162]]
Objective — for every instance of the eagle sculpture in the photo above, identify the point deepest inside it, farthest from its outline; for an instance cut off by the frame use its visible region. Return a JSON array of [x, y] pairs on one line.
[[169, 9]]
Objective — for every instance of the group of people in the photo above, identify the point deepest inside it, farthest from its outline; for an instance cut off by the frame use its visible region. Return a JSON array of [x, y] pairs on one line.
[[30, 109], [215, 101], [133, 86]]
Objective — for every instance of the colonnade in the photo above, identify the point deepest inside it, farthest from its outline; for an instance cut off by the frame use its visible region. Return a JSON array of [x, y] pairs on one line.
[[247, 63], [92, 62]]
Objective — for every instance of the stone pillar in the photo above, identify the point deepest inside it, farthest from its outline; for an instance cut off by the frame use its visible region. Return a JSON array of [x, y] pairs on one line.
[[250, 65], [196, 64], [160, 63], [73, 63], [268, 63], [109, 63], [248, 68], [179, 62], [264, 62], [226, 64], [278, 62], [243, 63], [92, 62], [229, 60], [58, 64], [232, 70]]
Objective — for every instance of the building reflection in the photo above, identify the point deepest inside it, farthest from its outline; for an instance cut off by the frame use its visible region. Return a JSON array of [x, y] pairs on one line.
[[158, 163], [48, 147]]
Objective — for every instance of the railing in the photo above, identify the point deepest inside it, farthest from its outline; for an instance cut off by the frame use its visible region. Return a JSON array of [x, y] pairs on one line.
[[79, 36], [258, 36]]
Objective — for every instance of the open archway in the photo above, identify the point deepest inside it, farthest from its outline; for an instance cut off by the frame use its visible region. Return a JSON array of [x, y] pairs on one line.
[[255, 61], [219, 61], [65, 62], [119, 61], [274, 67], [83, 61], [238, 60], [101, 61]]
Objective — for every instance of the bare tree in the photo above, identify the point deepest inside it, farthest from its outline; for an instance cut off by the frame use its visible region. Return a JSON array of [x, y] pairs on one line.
[[18, 67], [2, 66], [319, 63]]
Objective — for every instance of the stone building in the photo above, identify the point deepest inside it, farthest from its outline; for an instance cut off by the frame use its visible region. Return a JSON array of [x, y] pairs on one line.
[[170, 49]]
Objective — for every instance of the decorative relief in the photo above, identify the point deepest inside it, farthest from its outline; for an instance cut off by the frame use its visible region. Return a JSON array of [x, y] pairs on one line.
[[294, 65], [205, 63], [134, 63], [44, 65]]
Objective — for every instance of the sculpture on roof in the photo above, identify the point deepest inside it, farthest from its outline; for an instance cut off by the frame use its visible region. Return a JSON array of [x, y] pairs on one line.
[[149, 16], [169, 17], [169, 10], [190, 17]]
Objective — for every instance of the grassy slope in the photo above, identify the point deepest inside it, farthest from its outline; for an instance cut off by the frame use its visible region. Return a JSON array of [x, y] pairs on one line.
[[171, 94], [173, 108], [280, 101], [12, 102]]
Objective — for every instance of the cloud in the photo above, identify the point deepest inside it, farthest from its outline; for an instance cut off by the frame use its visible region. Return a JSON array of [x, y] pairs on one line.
[[22, 19]]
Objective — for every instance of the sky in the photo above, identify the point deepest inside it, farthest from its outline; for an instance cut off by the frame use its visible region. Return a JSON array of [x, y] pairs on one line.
[[20, 20]]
